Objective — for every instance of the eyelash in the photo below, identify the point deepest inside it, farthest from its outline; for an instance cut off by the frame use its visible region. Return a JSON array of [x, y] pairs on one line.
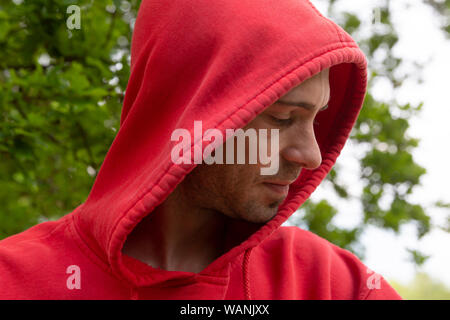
[[283, 122], [287, 122]]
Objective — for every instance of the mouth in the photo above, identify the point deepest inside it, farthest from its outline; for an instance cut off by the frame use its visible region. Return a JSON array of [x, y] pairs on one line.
[[281, 189]]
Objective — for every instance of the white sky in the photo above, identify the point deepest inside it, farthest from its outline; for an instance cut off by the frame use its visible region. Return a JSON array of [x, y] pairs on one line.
[[419, 40]]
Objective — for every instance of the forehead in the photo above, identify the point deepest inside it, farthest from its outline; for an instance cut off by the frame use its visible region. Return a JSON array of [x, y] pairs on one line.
[[315, 88]]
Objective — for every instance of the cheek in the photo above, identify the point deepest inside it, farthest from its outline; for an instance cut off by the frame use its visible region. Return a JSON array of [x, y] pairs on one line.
[[233, 181], [208, 179]]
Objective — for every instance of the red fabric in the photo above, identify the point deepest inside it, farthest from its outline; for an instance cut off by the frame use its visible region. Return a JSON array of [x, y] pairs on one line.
[[222, 62]]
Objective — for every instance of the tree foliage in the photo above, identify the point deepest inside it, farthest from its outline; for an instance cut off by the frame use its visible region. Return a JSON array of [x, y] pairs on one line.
[[61, 96], [61, 92]]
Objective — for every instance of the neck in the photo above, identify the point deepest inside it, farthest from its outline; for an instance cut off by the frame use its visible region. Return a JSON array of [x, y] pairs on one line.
[[178, 236]]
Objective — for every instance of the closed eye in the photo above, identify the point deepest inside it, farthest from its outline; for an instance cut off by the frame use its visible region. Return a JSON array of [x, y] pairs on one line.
[[282, 122]]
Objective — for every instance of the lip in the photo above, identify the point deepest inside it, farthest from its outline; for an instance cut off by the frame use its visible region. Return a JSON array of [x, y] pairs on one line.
[[281, 189]]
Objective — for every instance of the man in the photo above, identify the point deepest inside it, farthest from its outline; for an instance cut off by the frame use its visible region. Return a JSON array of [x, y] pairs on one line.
[[187, 231], [155, 227]]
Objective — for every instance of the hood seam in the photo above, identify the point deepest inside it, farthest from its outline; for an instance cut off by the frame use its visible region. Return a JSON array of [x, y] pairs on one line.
[[90, 254], [330, 23]]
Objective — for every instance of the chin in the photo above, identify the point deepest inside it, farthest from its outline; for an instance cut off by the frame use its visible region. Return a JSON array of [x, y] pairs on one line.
[[265, 214], [254, 211]]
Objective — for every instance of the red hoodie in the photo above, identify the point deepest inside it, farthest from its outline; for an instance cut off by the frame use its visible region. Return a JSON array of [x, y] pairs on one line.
[[222, 62]]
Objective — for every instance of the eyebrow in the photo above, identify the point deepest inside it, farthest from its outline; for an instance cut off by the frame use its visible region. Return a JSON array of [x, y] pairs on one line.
[[301, 104]]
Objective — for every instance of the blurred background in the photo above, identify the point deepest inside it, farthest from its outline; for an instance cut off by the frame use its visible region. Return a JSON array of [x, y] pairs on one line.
[[63, 75]]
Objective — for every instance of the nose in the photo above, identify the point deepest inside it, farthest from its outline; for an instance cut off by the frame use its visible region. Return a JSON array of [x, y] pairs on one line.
[[303, 150]]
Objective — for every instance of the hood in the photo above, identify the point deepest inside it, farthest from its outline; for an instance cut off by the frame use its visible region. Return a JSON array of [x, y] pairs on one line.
[[222, 62]]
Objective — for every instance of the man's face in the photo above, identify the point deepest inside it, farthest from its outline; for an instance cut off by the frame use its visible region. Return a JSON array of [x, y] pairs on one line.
[[239, 190]]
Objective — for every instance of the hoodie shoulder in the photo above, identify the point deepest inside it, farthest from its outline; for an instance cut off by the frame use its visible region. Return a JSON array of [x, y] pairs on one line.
[[25, 258], [40, 263], [306, 266]]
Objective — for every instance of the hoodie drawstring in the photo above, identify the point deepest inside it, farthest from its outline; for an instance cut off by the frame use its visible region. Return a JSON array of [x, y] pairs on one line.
[[246, 274], [134, 294]]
